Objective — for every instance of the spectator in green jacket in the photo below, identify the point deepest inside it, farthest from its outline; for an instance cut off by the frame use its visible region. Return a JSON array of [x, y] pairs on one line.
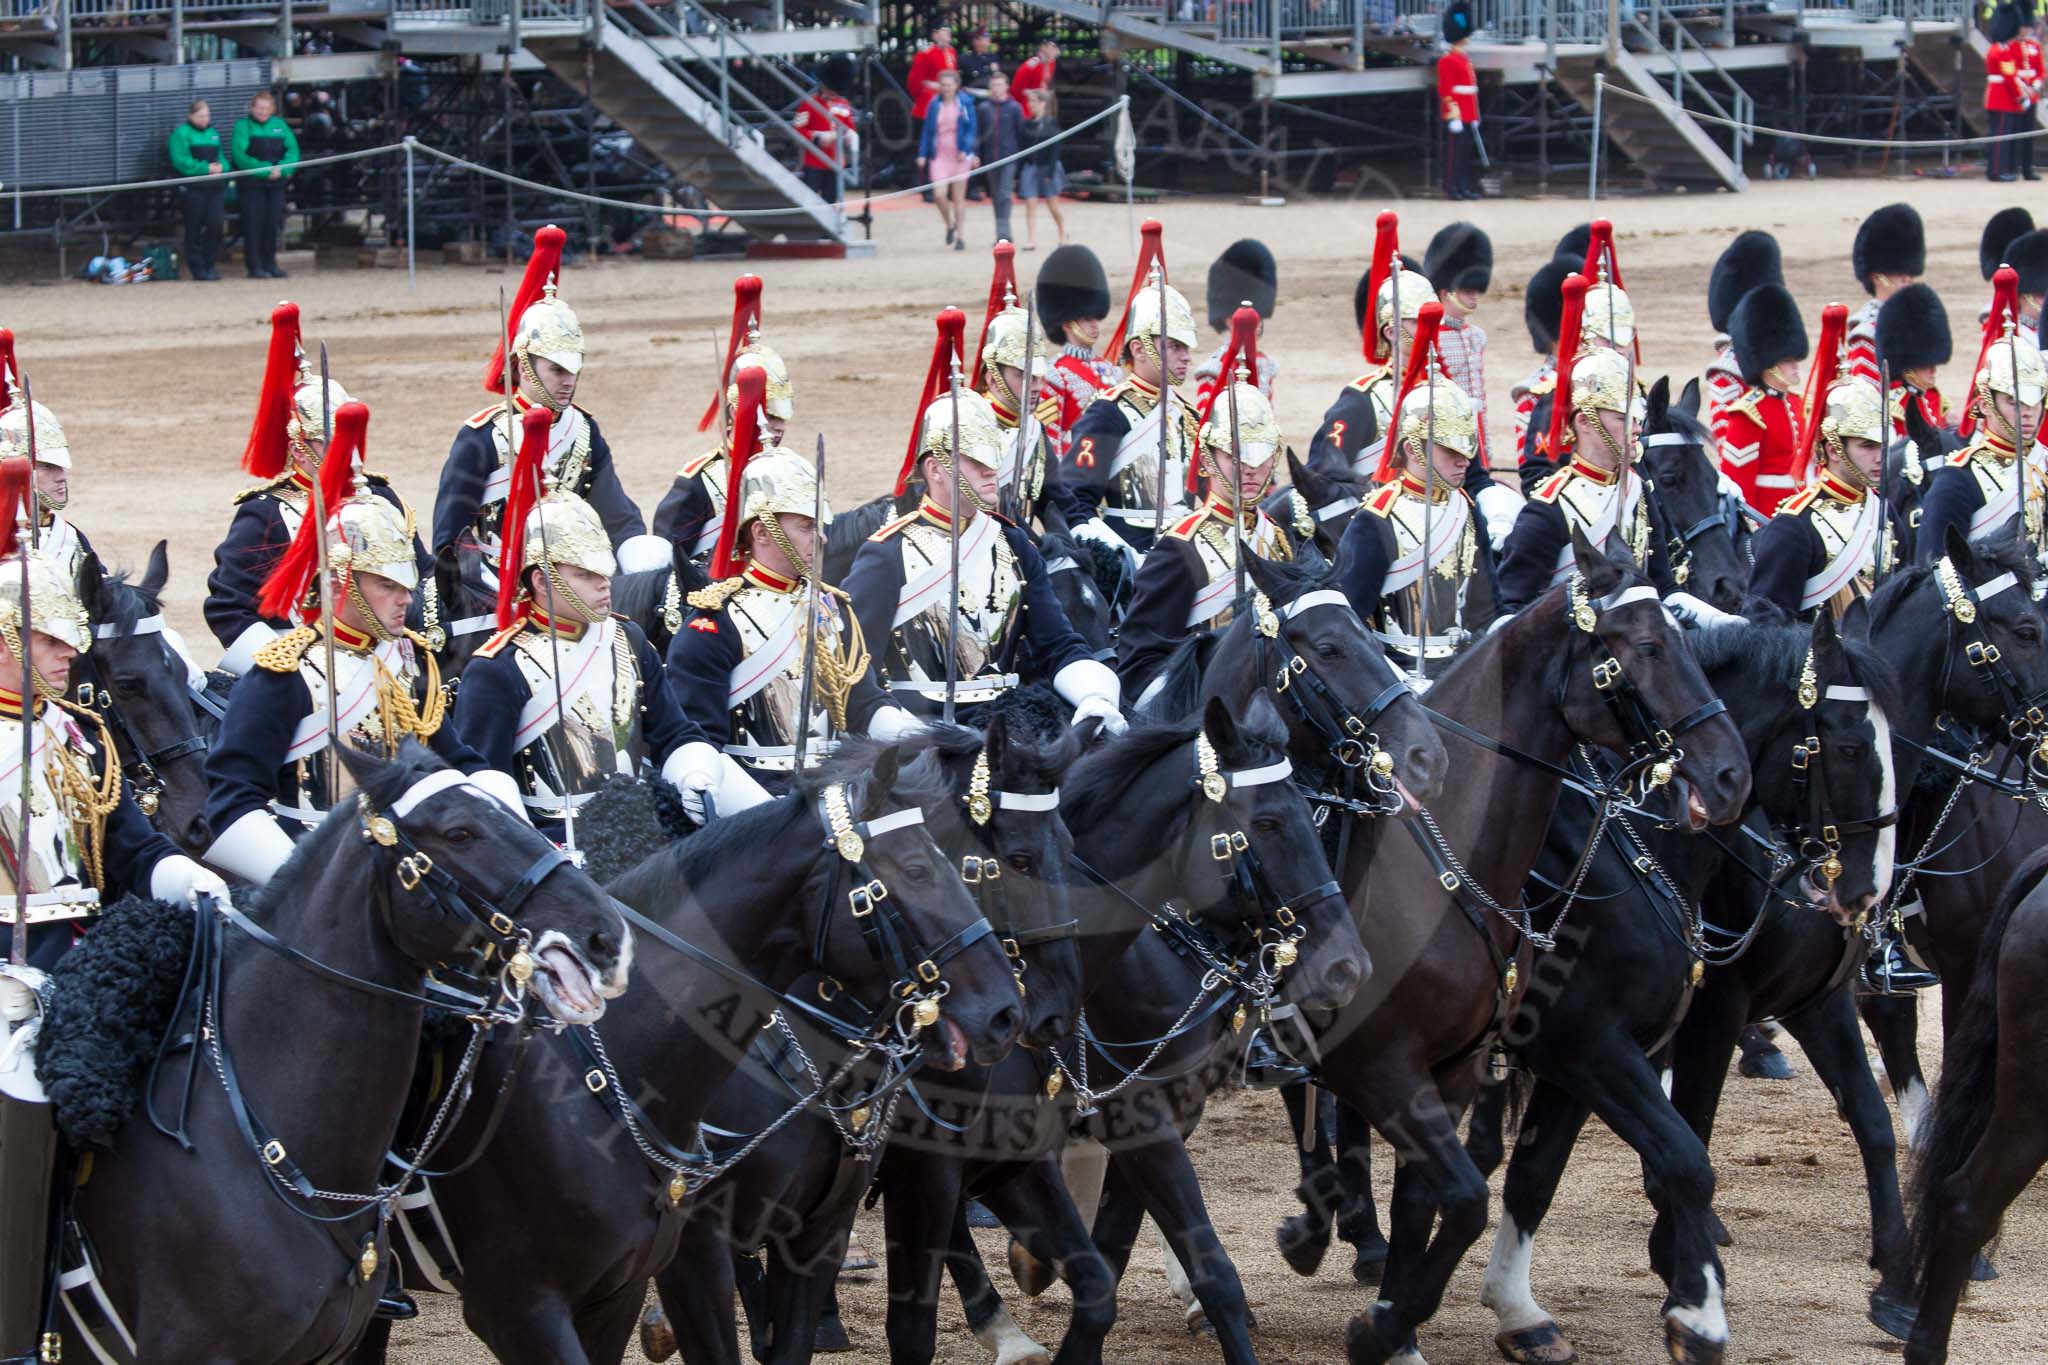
[[195, 150], [263, 142]]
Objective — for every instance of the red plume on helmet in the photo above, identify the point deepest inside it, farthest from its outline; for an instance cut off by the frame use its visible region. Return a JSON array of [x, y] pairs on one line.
[[522, 494], [746, 316], [1827, 368], [8, 370], [1154, 249], [1002, 285], [268, 450], [1386, 245], [544, 264], [1422, 362], [2005, 303], [1569, 327], [1600, 251], [746, 441], [937, 380], [17, 482], [286, 587], [1244, 345]]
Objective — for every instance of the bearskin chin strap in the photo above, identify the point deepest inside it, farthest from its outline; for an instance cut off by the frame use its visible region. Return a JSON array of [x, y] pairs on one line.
[[535, 391]]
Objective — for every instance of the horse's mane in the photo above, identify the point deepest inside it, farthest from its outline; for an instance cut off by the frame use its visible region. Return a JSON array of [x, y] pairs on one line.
[[1297, 576], [1179, 689], [1771, 654], [637, 595], [123, 602], [1101, 780], [1689, 426], [388, 782]]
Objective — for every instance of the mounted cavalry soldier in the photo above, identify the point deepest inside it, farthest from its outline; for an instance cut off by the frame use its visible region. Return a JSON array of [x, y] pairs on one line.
[[544, 364], [689, 515], [1417, 561], [1599, 492], [737, 666], [912, 609], [1978, 491], [284, 451], [1190, 580], [1889, 254], [271, 773], [1030, 476], [56, 536], [1828, 543], [1072, 293], [1353, 429], [565, 694]]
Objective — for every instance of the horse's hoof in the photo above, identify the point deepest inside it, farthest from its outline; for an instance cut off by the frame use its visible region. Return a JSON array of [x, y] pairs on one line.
[[1688, 1347], [1982, 1271], [857, 1258], [657, 1338], [1369, 1262], [978, 1215], [1199, 1324], [1761, 1059], [1890, 1316], [1032, 1275], [830, 1336], [1544, 1344], [1303, 1239], [1362, 1344], [1718, 1231]]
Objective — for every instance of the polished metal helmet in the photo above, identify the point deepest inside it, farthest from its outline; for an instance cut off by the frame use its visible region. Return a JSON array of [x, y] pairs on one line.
[[564, 529], [304, 428], [981, 437], [54, 604], [1455, 424], [1600, 382], [51, 447], [1144, 315], [549, 329], [1416, 290], [1854, 410], [1608, 315], [780, 397], [1005, 344], [778, 481], [1258, 429], [372, 536], [2013, 367]]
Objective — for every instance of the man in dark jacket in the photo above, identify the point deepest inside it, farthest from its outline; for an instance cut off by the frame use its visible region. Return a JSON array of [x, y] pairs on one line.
[[1002, 134]]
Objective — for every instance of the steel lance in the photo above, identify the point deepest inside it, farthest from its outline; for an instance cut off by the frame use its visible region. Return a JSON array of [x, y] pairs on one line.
[[1026, 396], [953, 549], [1166, 412], [327, 587], [547, 572], [1236, 485], [25, 519], [813, 594]]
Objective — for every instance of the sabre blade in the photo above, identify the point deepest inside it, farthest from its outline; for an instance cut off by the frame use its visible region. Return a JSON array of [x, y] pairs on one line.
[[1025, 400], [813, 592], [25, 525], [953, 549], [327, 588], [1166, 412]]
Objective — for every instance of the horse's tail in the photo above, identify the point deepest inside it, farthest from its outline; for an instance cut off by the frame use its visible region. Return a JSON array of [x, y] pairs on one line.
[[1969, 1074]]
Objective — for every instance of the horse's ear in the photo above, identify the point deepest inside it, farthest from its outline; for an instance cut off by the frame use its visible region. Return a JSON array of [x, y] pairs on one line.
[[995, 742], [1602, 574], [159, 571], [1260, 571], [1856, 620], [363, 766], [1689, 399], [1956, 545], [1299, 475], [1827, 643], [1221, 728], [1053, 520], [882, 779], [90, 583], [1659, 402]]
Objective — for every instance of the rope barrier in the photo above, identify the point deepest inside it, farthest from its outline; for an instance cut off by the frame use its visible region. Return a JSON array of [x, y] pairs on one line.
[[411, 145], [1894, 144]]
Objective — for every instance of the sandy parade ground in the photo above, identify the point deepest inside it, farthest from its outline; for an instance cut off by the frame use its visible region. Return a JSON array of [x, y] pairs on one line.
[[155, 386]]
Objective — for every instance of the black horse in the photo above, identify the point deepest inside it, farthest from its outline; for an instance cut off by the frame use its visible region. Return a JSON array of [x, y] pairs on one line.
[[1632, 950], [1677, 452], [795, 1195], [1596, 660], [1988, 1133], [140, 686], [1320, 501], [311, 1009], [833, 903]]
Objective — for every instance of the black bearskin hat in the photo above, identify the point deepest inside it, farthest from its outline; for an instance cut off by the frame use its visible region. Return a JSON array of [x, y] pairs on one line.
[[1891, 241], [1998, 234], [837, 73], [1071, 285], [2029, 256], [1457, 21], [1912, 330], [1574, 245], [1766, 330], [1750, 262], [2005, 24], [1245, 272], [1543, 302], [1460, 256]]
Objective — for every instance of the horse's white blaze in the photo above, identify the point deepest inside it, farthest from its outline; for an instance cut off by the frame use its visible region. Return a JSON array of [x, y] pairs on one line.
[[1709, 1321], [1002, 1335], [1887, 799], [1407, 1358], [1506, 1287], [1176, 1277], [1913, 1111]]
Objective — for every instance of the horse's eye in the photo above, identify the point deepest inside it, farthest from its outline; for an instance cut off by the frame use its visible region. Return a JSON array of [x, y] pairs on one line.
[[1650, 649], [1266, 824], [1854, 752], [919, 873], [1327, 650], [1023, 862], [129, 686], [2028, 631], [460, 834]]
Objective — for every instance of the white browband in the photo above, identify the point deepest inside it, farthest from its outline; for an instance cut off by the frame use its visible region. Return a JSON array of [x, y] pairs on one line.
[[1641, 592], [1330, 510], [1321, 597], [433, 784], [1039, 801], [154, 625], [1669, 438], [895, 820], [1258, 777], [1844, 692], [1997, 586], [1060, 565]]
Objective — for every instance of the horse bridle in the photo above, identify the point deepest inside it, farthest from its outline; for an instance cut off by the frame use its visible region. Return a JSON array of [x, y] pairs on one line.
[[2026, 718], [1820, 843], [142, 766], [1348, 735], [1653, 747], [1678, 546], [983, 874]]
